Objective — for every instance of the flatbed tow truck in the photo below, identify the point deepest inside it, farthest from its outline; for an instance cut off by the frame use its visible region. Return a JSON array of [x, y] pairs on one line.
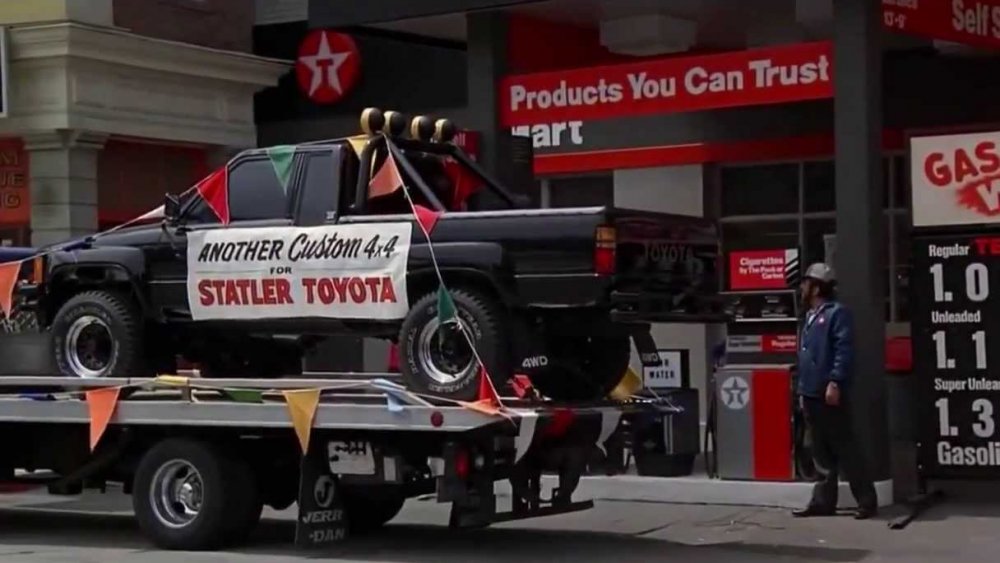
[[200, 461]]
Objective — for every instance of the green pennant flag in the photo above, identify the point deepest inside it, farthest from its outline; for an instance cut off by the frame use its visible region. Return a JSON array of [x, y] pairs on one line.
[[445, 306], [244, 395], [282, 157]]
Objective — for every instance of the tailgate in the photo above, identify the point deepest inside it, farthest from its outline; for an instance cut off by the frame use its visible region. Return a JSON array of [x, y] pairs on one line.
[[666, 267]]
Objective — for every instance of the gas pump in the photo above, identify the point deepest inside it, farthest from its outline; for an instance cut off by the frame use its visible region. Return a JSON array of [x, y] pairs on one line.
[[755, 429]]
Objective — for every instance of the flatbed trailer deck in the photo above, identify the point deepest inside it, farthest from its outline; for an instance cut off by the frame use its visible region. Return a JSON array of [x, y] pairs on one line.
[[200, 462]]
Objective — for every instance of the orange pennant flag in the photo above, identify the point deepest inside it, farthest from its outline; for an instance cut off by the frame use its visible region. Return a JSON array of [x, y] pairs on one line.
[[101, 405], [386, 180], [302, 405], [487, 393], [8, 279]]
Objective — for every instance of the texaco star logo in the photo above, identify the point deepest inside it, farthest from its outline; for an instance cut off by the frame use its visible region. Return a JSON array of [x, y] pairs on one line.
[[328, 66], [735, 392]]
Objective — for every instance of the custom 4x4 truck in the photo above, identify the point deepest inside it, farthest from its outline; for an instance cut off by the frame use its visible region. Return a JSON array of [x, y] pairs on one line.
[[556, 294]]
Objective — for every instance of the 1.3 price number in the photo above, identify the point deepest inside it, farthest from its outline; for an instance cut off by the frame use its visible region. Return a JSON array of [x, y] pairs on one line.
[[977, 283], [983, 426]]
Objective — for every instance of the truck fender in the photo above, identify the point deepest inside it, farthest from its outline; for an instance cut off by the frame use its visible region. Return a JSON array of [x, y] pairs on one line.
[[97, 266], [477, 262]]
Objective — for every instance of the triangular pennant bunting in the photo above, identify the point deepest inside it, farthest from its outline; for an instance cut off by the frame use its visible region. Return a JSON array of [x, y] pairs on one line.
[[214, 189], [487, 393], [101, 407], [393, 404], [302, 405], [445, 306], [244, 395], [387, 180], [484, 407], [358, 144], [629, 385], [8, 280], [172, 380], [157, 213], [427, 218], [282, 158]]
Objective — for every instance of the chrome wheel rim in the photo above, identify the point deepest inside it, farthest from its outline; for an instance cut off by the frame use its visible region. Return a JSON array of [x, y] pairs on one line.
[[177, 493], [90, 349], [444, 353]]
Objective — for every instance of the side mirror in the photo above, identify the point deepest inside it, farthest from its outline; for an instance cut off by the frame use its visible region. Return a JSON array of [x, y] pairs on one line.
[[171, 207]]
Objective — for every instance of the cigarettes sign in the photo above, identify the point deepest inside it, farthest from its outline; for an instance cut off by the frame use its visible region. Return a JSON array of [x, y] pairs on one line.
[[762, 269], [955, 179], [754, 77], [341, 272]]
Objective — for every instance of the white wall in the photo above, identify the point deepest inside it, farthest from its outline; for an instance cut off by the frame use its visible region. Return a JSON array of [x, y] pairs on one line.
[[671, 189]]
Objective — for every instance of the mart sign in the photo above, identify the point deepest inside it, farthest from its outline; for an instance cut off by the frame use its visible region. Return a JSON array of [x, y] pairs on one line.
[[972, 22]]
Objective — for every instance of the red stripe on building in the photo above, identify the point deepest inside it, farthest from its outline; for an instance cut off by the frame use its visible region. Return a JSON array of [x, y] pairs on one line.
[[772, 425], [807, 146]]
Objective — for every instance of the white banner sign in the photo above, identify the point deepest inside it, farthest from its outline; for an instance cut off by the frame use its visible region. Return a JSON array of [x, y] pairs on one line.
[[955, 179], [338, 272], [667, 375]]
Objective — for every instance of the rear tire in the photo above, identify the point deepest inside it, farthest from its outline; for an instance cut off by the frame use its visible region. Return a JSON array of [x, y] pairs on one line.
[[176, 478], [583, 368], [99, 334], [450, 370]]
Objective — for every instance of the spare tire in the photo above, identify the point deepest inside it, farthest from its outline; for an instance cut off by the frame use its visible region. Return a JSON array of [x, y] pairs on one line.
[[99, 334], [435, 357], [583, 368]]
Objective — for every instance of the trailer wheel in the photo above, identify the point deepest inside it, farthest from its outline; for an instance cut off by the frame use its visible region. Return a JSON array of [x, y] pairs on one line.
[[98, 334], [368, 510], [435, 357], [583, 369], [183, 494]]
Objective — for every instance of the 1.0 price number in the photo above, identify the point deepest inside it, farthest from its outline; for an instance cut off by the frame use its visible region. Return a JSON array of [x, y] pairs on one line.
[[941, 349], [983, 427], [977, 283]]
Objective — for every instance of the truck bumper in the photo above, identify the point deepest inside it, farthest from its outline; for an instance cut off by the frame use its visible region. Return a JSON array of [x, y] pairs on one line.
[[636, 307]]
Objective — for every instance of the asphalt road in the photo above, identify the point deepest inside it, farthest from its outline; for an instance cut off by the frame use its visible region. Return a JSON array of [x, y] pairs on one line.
[[37, 529]]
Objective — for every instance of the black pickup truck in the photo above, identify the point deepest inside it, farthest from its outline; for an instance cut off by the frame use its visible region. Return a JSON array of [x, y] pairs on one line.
[[555, 294]]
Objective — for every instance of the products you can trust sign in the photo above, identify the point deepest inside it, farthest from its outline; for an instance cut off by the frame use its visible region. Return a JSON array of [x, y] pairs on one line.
[[955, 179], [340, 272], [673, 84]]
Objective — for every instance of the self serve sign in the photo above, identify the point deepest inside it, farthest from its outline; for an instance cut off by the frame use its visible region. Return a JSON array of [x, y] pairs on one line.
[[666, 375]]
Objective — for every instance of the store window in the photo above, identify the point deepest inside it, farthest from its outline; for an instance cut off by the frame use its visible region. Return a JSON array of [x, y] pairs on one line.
[[794, 204]]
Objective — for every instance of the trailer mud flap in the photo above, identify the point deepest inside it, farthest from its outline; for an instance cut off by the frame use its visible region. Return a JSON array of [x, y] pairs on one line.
[[645, 346], [321, 520]]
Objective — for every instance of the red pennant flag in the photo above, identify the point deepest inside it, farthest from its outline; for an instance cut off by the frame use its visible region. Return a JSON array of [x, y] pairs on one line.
[[387, 180], [487, 393], [466, 183], [214, 189], [8, 279], [426, 217]]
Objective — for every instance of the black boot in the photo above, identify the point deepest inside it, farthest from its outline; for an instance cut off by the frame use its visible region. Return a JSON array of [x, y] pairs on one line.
[[866, 512]]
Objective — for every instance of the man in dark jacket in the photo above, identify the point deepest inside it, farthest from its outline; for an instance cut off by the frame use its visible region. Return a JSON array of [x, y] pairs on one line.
[[825, 375]]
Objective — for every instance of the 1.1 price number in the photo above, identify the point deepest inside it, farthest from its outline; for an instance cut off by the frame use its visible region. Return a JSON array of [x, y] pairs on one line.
[[977, 283], [983, 427], [941, 350]]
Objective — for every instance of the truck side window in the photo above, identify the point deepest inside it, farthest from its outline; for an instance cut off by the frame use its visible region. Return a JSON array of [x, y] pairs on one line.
[[320, 189], [255, 192]]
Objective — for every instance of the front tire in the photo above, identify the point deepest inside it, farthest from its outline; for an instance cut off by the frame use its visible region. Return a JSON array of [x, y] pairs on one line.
[[99, 334], [435, 357]]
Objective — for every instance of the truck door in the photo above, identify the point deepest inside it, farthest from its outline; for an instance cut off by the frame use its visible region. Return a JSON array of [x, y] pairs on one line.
[[319, 180], [256, 199]]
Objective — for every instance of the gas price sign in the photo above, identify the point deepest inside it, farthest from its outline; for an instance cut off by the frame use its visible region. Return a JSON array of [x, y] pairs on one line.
[[956, 347]]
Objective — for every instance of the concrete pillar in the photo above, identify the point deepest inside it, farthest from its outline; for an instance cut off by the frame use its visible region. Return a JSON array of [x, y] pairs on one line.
[[860, 221], [671, 189], [63, 171]]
